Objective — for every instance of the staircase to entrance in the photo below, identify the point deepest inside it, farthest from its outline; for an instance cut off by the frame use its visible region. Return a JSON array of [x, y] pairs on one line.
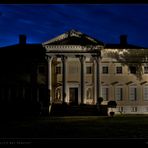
[[73, 110]]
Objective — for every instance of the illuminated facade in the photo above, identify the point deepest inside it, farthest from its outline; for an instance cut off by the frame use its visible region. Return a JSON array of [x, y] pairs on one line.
[[80, 71], [73, 60]]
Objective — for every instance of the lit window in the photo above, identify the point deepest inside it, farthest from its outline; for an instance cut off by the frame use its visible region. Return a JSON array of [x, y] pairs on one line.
[[58, 70], [105, 69], [119, 93], [105, 93], [145, 93], [119, 69], [89, 70], [132, 93]]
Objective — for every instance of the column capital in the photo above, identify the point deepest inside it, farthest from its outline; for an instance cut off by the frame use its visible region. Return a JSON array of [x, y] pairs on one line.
[[63, 57], [47, 57], [96, 58], [82, 58]]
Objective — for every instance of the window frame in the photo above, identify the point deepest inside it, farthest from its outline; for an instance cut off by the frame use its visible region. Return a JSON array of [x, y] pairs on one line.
[[134, 93], [120, 92], [105, 70], [106, 96]]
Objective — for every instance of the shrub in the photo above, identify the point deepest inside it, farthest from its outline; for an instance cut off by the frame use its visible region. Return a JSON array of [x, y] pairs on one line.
[[112, 104]]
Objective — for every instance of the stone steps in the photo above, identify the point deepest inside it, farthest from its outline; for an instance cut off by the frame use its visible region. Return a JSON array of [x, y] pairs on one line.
[[70, 110]]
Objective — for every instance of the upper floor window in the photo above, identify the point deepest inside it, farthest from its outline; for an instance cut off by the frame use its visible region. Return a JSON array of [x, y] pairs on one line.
[[58, 70], [146, 69], [119, 69], [88, 69], [105, 69], [133, 69]]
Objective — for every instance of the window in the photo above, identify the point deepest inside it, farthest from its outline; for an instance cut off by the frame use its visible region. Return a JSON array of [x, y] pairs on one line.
[[88, 69], [105, 69], [119, 93], [58, 70], [146, 109], [146, 69], [132, 69], [105, 93], [145, 93], [119, 69], [132, 93]]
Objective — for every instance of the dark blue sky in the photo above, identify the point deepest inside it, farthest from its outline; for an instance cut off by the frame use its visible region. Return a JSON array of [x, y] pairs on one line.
[[105, 22]]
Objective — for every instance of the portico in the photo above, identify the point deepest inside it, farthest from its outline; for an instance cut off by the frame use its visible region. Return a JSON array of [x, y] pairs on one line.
[[73, 69]]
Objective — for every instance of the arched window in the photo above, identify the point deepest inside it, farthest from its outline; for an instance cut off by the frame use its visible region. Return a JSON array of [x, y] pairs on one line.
[[133, 92], [105, 92], [119, 92], [145, 92]]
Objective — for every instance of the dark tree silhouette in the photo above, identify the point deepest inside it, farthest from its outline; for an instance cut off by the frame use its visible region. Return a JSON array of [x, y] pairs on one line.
[[112, 104]]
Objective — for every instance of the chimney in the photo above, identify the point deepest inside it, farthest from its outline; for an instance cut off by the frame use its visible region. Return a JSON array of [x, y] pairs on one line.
[[22, 39], [123, 39]]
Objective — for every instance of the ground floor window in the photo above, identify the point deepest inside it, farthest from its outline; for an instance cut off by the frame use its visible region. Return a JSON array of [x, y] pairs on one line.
[[119, 93], [105, 93], [145, 93], [132, 93]]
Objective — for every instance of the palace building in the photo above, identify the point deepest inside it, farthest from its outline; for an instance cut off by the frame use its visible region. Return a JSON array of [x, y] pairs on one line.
[[75, 69], [81, 69]]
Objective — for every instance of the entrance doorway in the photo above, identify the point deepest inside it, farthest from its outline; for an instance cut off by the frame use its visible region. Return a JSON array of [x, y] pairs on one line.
[[73, 95]]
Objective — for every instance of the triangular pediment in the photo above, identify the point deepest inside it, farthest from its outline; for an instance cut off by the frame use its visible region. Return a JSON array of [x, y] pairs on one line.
[[73, 37]]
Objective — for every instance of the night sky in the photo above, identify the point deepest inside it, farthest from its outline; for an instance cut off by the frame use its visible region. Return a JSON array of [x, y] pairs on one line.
[[105, 22]]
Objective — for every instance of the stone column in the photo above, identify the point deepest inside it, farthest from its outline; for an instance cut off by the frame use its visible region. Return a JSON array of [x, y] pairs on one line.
[[97, 78], [64, 78], [49, 59], [95, 81], [98, 75], [82, 80]]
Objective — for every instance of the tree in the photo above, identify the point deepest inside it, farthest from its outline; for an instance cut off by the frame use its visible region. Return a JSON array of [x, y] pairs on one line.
[[112, 104]]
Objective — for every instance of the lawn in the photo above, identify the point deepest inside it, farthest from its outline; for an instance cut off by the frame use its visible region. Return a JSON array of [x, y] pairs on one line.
[[77, 127]]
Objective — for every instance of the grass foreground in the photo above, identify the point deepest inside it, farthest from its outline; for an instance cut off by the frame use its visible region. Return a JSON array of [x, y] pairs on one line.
[[119, 127]]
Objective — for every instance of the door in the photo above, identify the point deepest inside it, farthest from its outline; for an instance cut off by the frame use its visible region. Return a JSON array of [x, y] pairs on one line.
[[73, 96]]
